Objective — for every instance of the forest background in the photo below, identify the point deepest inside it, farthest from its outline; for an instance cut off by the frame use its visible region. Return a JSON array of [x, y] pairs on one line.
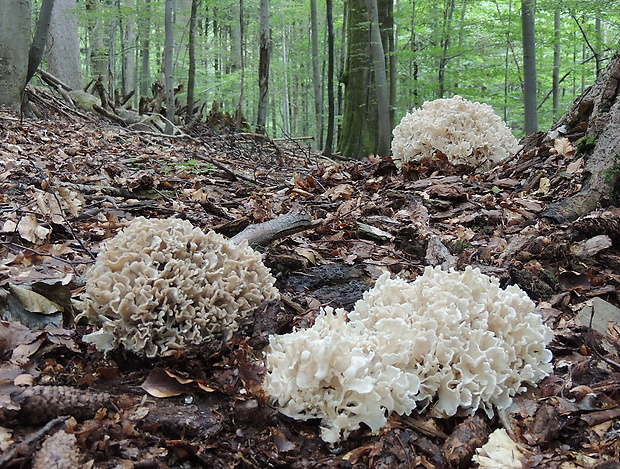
[[270, 60]]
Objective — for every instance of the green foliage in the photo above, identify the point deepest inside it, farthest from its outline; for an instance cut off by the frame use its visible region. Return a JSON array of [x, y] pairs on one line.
[[483, 59]]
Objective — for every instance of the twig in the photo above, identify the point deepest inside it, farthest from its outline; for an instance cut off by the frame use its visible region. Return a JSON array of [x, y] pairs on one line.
[[36, 436]]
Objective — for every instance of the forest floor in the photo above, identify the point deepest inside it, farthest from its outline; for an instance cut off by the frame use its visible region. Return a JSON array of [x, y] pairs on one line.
[[69, 183]]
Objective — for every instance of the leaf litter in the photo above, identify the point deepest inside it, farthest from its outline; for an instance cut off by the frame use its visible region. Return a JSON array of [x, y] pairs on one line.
[[66, 186]]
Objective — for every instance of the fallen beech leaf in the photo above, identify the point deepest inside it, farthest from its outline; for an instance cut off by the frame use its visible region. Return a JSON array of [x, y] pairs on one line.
[[283, 444], [34, 302], [29, 229], [159, 383], [575, 166], [563, 146]]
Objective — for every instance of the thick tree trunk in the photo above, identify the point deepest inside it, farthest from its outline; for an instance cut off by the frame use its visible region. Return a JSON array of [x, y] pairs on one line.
[[384, 129], [63, 57], [14, 43], [599, 105]]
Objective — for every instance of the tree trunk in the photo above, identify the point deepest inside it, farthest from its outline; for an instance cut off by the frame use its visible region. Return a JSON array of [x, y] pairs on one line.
[[14, 43], [63, 57], [384, 131], [263, 67], [599, 105], [529, 66], [39, 40], [191, 75], [446, 32], [168, 72], [331, 112], [557, 57], [316, 73], [242, 84], [145, 49], [129, 49], [286, 118], [360, 119]]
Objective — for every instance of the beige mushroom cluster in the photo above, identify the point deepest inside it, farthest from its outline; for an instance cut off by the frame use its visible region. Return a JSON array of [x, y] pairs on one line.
[[165, 284], [467, 133], [448, 340]]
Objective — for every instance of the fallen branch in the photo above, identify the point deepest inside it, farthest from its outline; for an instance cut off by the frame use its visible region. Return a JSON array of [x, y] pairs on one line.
[[261, 234]]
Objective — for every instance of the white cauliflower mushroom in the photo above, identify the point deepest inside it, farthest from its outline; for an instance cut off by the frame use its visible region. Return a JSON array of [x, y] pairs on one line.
[[448, 340], [467, 133], [163, 284]]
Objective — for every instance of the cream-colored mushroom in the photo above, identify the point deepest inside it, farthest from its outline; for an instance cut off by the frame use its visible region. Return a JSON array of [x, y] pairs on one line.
[[165, 284], [448, 340]]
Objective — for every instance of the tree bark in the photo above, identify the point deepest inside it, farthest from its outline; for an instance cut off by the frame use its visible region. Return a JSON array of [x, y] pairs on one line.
[[360, 118], [331, 111], [168, 72], [191, 74], [316, 73], [384, 130], [37, 47], [263, 67], [145, 47], [599, 105], [63, 57], [530, 85], [14, 43]]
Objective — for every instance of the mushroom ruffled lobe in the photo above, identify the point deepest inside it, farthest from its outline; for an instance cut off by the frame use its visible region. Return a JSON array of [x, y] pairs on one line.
[[467, 133], [165, 284], [448, 340]]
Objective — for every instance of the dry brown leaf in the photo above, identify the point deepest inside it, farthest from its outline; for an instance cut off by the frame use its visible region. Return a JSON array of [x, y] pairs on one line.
[[563, 146], [575, 166], [29, 229]]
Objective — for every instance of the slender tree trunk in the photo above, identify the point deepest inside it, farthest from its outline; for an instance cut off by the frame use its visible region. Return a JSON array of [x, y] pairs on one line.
[[191, 75], [145, 48], [242, 84], [557, 57], [14, 44], [446, 32], [529, 66], [384, 131], [37, 48], [329, 138], [98, 58], [168, 72], [263, 67], [316, 73], [286, 118], [129, 49], [63, 57]]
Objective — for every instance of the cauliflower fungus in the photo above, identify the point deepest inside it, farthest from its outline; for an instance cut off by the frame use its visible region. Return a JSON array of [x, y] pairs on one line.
[[164, 284], [467, 133], [448, 340]]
